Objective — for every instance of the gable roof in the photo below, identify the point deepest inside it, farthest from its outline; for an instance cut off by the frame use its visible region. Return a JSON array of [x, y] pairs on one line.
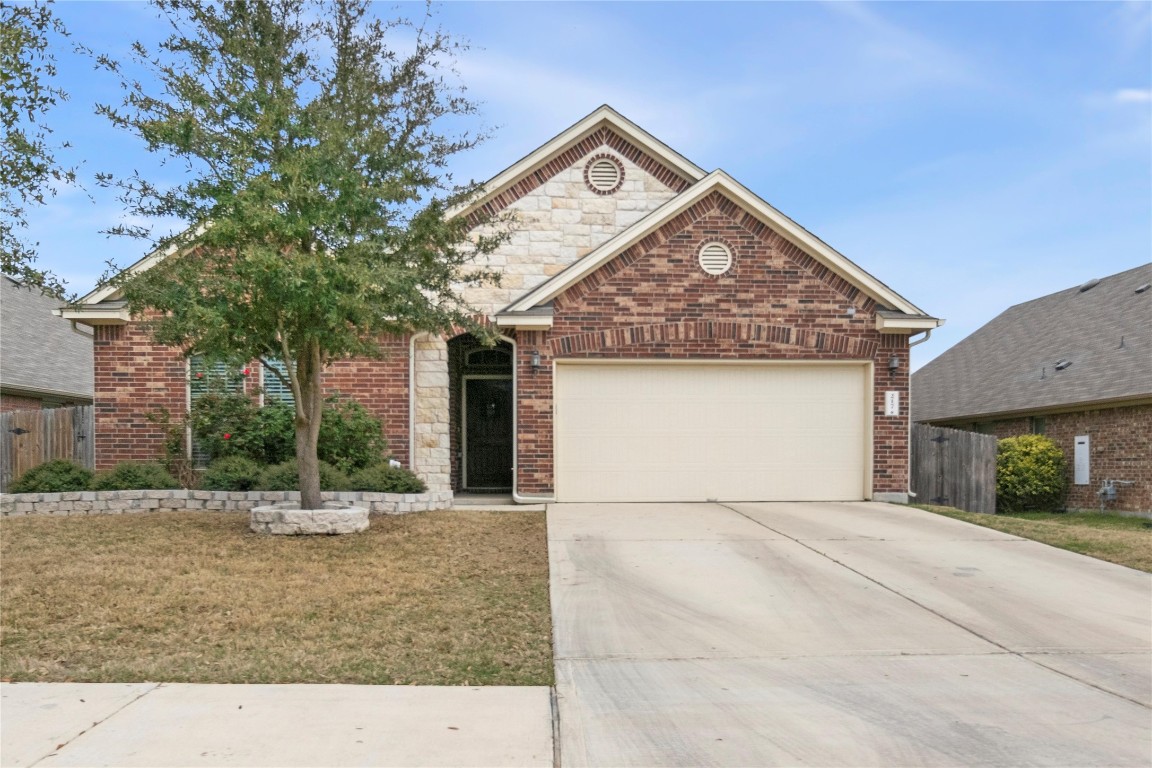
[[40, 353], [1009, 365], [719, 181], [602, 117]]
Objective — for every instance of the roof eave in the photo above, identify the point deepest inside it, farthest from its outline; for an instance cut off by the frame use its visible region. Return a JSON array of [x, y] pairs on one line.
[[780, 223], [95, 315]]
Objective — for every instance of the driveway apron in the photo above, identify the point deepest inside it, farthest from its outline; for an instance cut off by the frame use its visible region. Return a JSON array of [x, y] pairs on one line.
[[839, 634]]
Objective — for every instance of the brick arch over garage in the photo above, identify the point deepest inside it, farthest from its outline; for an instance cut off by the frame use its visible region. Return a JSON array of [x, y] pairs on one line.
[[740, 333]]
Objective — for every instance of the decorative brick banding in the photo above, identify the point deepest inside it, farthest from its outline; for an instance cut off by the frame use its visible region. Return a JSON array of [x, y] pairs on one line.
[[287, 519], [131, 502]]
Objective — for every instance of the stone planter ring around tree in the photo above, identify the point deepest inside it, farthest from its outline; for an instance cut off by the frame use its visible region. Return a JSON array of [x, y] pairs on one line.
[[287, 519]]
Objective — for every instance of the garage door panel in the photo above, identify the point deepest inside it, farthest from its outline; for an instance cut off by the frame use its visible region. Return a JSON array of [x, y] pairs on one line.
[[652, 432]]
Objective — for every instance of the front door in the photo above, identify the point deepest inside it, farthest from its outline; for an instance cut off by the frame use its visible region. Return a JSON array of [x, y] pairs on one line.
[[487, 433]]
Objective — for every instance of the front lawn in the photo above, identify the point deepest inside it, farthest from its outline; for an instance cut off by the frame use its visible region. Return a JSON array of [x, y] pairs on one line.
[[1117, 539], [439, 598]]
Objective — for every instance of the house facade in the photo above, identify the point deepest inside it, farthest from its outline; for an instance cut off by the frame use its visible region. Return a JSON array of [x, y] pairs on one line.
[[666, 335], [1076, 366]]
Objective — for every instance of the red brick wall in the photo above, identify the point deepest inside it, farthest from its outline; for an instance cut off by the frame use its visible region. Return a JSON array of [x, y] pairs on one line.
[[381, 386], [1120, 449], [19, 403], [134, 377], [776, 303]]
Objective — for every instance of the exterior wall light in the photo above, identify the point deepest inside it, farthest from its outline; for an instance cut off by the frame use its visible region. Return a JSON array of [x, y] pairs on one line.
[[893, 364], [535, 361]]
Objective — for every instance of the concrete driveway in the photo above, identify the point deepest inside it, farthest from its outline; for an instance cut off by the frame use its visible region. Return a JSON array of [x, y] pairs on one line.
[[839, 634]]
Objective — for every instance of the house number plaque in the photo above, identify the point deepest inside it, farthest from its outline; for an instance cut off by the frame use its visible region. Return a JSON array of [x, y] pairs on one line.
[[891, 403]]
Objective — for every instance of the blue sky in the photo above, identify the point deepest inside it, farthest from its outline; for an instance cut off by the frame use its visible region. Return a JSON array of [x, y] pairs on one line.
[[971, 155]]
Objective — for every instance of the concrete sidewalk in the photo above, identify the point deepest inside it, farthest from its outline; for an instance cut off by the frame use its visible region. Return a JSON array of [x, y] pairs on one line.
[[149, 724]]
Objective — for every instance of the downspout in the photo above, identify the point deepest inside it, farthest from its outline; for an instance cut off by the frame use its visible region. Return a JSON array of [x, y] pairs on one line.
[[927, 335]]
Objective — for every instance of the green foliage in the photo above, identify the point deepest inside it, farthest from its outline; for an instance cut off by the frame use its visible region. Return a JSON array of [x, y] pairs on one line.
[[28, 164], [1030, 474], [382, 478], [233, 425], [232, 473], [286, 477], [316, 195], [56, 476], [222, 424], [130, 476], [350, 437]]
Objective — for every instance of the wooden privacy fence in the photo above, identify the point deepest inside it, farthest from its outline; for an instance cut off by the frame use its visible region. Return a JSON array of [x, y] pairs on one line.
[[29, 438], [952, 468]]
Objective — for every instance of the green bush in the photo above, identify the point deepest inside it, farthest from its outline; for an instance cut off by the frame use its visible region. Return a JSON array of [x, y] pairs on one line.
[[233, 425], [285, 477], [350, 437], [231, 473], [382, 478], [129, 476], [55, 476], [1029, 474], [222, 424]]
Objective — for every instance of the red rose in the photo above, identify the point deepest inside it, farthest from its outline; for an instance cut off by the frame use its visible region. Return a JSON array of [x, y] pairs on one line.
[[227, 435], [247, 371]]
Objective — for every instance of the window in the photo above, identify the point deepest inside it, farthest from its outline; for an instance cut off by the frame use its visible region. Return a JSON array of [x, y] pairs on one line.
[[276, 389], [1036, 425]]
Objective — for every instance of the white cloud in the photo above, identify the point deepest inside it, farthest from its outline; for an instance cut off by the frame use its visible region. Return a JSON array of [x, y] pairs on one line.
[[1133, 95]]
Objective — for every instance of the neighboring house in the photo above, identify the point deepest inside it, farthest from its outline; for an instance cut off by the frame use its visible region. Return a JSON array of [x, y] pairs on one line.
[[1076, 366], [45, 362], [666, 335]]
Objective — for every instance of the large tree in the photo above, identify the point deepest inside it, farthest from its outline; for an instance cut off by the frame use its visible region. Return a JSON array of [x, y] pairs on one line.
[[28, 166], [315, 138]]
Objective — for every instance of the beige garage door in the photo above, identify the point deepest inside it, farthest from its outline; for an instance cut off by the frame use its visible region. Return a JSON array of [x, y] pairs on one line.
[[699, 432]]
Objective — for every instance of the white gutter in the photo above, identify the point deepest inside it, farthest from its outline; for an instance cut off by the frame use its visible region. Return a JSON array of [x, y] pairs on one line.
[[927, 335]]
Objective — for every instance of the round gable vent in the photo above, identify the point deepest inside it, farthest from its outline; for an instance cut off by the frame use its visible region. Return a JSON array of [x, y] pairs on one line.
[[715, 258], [604, 175]]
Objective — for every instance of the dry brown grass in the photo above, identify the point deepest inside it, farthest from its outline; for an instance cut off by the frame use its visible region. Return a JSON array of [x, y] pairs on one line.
[[1117, 539], [433, 598]]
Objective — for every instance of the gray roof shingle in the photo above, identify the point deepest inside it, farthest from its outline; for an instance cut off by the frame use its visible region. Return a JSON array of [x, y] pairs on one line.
[[39, 352], [1009, 365]]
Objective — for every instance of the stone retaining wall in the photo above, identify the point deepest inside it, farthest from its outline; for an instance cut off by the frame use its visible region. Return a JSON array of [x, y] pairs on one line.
[[126, 502]]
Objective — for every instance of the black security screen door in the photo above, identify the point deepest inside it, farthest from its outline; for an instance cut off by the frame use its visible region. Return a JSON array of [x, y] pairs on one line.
[[488, 434]]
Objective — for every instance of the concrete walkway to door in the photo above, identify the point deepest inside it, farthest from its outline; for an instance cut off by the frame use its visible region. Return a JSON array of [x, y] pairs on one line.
[[839, 634]]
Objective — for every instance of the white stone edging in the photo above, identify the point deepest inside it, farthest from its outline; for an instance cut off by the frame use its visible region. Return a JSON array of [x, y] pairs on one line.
[[285, 518], [129, 502]]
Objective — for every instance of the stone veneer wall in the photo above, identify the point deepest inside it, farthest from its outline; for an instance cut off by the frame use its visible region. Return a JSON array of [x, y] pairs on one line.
[[562, 219], [129, 502], [431, 446]]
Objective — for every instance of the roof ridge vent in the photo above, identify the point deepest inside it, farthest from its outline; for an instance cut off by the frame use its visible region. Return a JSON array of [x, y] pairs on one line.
[[1062, 364], [1143, 288], [1090, 284]]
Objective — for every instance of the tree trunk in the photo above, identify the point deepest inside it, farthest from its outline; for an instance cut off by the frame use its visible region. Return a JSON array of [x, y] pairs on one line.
[[308, 427]]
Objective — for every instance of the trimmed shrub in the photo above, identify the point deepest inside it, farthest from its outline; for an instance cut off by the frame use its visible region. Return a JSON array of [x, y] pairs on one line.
[[233, 425], [129, 476], [350, 437], [1029, 474], [56, 476], [382, 478], [285, 477], [232, 473]]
